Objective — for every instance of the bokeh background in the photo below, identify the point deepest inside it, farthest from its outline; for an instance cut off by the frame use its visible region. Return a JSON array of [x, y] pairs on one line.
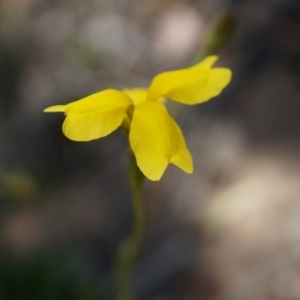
[[229, 231]]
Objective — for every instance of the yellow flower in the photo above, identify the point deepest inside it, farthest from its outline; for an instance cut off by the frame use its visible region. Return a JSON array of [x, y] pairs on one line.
[[154, 136]]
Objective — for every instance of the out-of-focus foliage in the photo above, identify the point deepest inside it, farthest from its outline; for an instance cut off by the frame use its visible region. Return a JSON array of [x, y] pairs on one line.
[[46, 277]]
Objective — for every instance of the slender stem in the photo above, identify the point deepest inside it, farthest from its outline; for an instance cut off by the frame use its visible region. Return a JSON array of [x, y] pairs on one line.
[[128, 250]]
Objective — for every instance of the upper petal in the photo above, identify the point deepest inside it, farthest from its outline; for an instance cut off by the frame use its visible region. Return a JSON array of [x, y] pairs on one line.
[[192, 85], [156, 140], [137, 95], [94, 116]]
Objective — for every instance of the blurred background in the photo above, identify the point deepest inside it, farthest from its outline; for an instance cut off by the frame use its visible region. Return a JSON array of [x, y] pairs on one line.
[[229, 231]]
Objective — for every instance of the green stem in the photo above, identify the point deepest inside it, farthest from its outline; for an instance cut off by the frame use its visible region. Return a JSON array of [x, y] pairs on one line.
[[128, 249], [218, 35]]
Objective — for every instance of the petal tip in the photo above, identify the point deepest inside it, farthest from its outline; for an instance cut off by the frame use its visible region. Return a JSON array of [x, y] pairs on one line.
[[208, 61], [55, 108]]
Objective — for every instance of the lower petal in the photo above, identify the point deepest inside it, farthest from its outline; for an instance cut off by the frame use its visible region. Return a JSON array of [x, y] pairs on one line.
[[156, 140], [182, 158]]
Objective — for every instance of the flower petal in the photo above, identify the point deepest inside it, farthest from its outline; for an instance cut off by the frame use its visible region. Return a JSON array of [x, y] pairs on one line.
[[94, 116], [137, 95], [192, 85], [182, 158], [156, 140]]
